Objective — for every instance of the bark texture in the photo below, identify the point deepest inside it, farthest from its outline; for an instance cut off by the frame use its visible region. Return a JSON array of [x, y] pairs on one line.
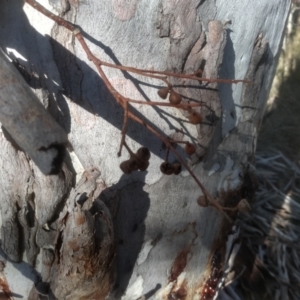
[[80, 265], [143, 235]]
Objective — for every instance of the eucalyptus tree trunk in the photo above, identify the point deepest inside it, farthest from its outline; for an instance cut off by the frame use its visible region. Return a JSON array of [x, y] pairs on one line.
[[92, 232]]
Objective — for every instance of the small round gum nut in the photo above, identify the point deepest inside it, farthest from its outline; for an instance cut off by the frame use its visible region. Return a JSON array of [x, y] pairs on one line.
[[195, 118], [243, 206], [133, 163], [177, 168], [189, 148], [203, 201], [124, 166], [163, 93], [143, 154], [166, 168], [174, 98], [143, 165]]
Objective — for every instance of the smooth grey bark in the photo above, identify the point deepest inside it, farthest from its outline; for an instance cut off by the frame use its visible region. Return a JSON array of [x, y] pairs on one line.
[[165, 245]]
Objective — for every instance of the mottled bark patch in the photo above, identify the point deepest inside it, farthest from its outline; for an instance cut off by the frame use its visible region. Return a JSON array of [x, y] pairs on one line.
[[124, 10]]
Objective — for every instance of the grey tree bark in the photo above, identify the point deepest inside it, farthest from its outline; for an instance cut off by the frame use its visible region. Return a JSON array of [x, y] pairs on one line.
[[91, 232]]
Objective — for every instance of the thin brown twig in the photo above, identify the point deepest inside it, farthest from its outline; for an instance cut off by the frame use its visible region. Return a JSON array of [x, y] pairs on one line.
[[49, 14], [179, 142], [124, 128], [128, 149], [153, 103], [171, 74], [167, 155]]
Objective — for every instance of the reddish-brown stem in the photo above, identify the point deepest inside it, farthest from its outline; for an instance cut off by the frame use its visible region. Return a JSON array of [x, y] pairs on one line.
[[124, 128], [128, 149], [167, 154], [153, 103], [52, 16], [171, 74]]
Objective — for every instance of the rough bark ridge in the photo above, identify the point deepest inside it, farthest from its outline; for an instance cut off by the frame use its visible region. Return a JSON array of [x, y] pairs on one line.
[[167, 245], [80, 265], [30, 202]]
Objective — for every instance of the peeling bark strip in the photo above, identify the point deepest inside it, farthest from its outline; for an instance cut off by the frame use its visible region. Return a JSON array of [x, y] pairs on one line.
[[81, 265], [27, 121]]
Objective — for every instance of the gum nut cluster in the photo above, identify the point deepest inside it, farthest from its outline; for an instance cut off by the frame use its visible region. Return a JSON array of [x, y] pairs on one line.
[[137, 161], [174, 98]]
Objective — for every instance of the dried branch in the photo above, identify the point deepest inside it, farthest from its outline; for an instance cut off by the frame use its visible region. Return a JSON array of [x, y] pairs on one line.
[[125, 102]]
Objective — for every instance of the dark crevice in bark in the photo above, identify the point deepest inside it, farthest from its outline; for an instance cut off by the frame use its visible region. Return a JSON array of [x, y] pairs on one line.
[[58, 159]]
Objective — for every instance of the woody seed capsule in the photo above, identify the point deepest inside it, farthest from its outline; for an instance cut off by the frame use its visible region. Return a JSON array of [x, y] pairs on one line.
[[189, 148], [176, 168], [143, 154], [143, 165], [133, 163], [195, 118], [124, 166], [166, 168], [163, 93], [174, 98]]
